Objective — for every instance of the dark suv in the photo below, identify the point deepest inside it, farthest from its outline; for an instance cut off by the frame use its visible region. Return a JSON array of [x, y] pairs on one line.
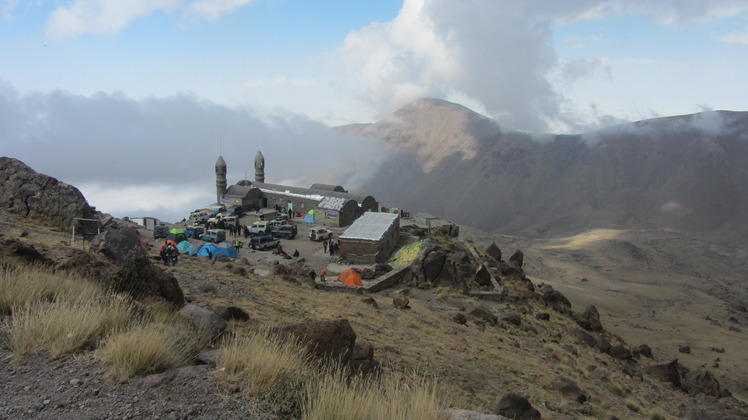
[[285, 231], [263, 242]]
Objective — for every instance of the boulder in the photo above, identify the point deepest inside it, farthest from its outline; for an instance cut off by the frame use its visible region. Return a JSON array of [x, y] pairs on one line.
[[331, 339], [459, 318], [483, 276], [117, 244], [28, 193], [483, 313], [583, 337], [620, 352], [555, 299], [517, 259], [645, 351], [400, 302], [701, 381], [570, 389], [589, 319], [433, 263], [208, 324], [232, 313], [515, 406], [140, 278], [25, 252], [667, 372], [494, 252], [512, 317]]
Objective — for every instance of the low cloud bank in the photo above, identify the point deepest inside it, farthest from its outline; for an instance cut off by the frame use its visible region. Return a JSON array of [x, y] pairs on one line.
[[156, 156]]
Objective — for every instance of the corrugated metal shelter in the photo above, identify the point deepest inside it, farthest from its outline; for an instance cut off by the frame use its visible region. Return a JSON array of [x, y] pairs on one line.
[[371, 238]]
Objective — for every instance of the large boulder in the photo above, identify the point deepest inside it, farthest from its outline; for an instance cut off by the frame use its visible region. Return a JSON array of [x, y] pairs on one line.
[[116, 244], [701, 381], [570, 389], [208, 324], [433, 263], [22, 251], [483, 276], [517, 259], [485, 314], [668, 372], [555, 299], [28, 193], [324, 339], [515, 406], [494, 252], [140, 278], [589, 319]]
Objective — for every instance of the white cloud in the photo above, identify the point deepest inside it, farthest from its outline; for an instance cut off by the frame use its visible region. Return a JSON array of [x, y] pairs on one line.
[[100, 17], [274, 82], [735, 37], [213, 9], [107, 17], [158, 154], [498, 54]]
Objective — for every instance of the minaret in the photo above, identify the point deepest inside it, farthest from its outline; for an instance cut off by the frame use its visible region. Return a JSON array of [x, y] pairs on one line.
[[220, 179], [259, 167]]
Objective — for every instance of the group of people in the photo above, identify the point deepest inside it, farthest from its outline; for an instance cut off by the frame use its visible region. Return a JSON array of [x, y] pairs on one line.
[[332, 245], [169, 253]]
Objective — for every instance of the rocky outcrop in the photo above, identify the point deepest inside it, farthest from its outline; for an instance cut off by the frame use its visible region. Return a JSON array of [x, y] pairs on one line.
[[570, 389], [515, 406], [589, 319], [28, 193], [324, 339], [208, 324], [138, 277], [116, 244]]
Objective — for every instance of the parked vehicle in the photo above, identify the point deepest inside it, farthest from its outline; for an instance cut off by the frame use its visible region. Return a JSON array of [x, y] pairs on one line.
[[263, 242], [230, 220], [285, 231], [194, 231], [214, 235], [160, 231], [235, 211], [319, 233], [259, 227]]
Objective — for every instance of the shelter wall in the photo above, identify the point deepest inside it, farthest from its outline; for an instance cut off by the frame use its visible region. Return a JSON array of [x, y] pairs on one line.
[[359, 251]]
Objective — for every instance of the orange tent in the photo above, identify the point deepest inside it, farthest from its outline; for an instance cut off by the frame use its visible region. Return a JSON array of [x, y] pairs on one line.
[[350, 277]]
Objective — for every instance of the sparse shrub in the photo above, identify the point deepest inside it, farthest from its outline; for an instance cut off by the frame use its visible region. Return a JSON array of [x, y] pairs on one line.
[[633, 407], [64, 326], [208, 288], [657, 416], [271, 369], [228, 265], [615, 390], [149, 347], [22, 284], [335, 396]]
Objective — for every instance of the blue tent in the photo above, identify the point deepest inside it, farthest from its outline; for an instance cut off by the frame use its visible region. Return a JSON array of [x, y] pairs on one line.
[[309, 218], [184, 246], [225, 248], [206, 250]]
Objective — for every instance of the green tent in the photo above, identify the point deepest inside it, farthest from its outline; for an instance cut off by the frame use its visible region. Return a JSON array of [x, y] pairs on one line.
[[184, 246], [309, 218]]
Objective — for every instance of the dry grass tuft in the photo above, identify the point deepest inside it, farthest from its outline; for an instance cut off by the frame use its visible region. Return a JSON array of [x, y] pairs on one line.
[[21, 285], [334, 396], [148, 347], [64, 326]]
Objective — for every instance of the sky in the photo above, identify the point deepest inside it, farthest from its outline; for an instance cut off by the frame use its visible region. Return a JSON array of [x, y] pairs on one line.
[[133, 101]]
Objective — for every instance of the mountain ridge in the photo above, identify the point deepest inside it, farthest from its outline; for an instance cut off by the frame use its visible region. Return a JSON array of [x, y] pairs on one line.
[[681, 173]]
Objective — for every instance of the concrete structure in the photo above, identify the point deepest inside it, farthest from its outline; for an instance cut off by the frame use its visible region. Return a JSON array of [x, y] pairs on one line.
[[370, 239], [220, 179], [333, 204]]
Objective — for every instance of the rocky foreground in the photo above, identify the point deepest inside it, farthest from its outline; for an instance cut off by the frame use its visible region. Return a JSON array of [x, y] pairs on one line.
[[527, 354]]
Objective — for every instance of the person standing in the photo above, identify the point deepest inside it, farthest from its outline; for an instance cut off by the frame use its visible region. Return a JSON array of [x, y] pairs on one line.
[[324, 246]]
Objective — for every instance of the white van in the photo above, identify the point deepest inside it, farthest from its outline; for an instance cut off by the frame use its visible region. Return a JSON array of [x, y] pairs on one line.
[[259, 227]]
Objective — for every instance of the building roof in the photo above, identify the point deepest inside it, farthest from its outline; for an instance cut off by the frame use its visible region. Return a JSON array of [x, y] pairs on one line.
[[370, 226], [312, 194], [238, 191]]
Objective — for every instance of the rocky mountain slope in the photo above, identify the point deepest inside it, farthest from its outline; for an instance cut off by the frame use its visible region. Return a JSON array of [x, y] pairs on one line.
[[685, 174], [534, 346]]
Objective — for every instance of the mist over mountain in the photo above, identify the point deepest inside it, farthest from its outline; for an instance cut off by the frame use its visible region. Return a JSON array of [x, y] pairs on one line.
[[684, 173]]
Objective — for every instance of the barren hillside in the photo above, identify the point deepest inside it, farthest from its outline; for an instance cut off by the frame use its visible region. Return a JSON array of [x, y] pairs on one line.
[[685, 174]]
